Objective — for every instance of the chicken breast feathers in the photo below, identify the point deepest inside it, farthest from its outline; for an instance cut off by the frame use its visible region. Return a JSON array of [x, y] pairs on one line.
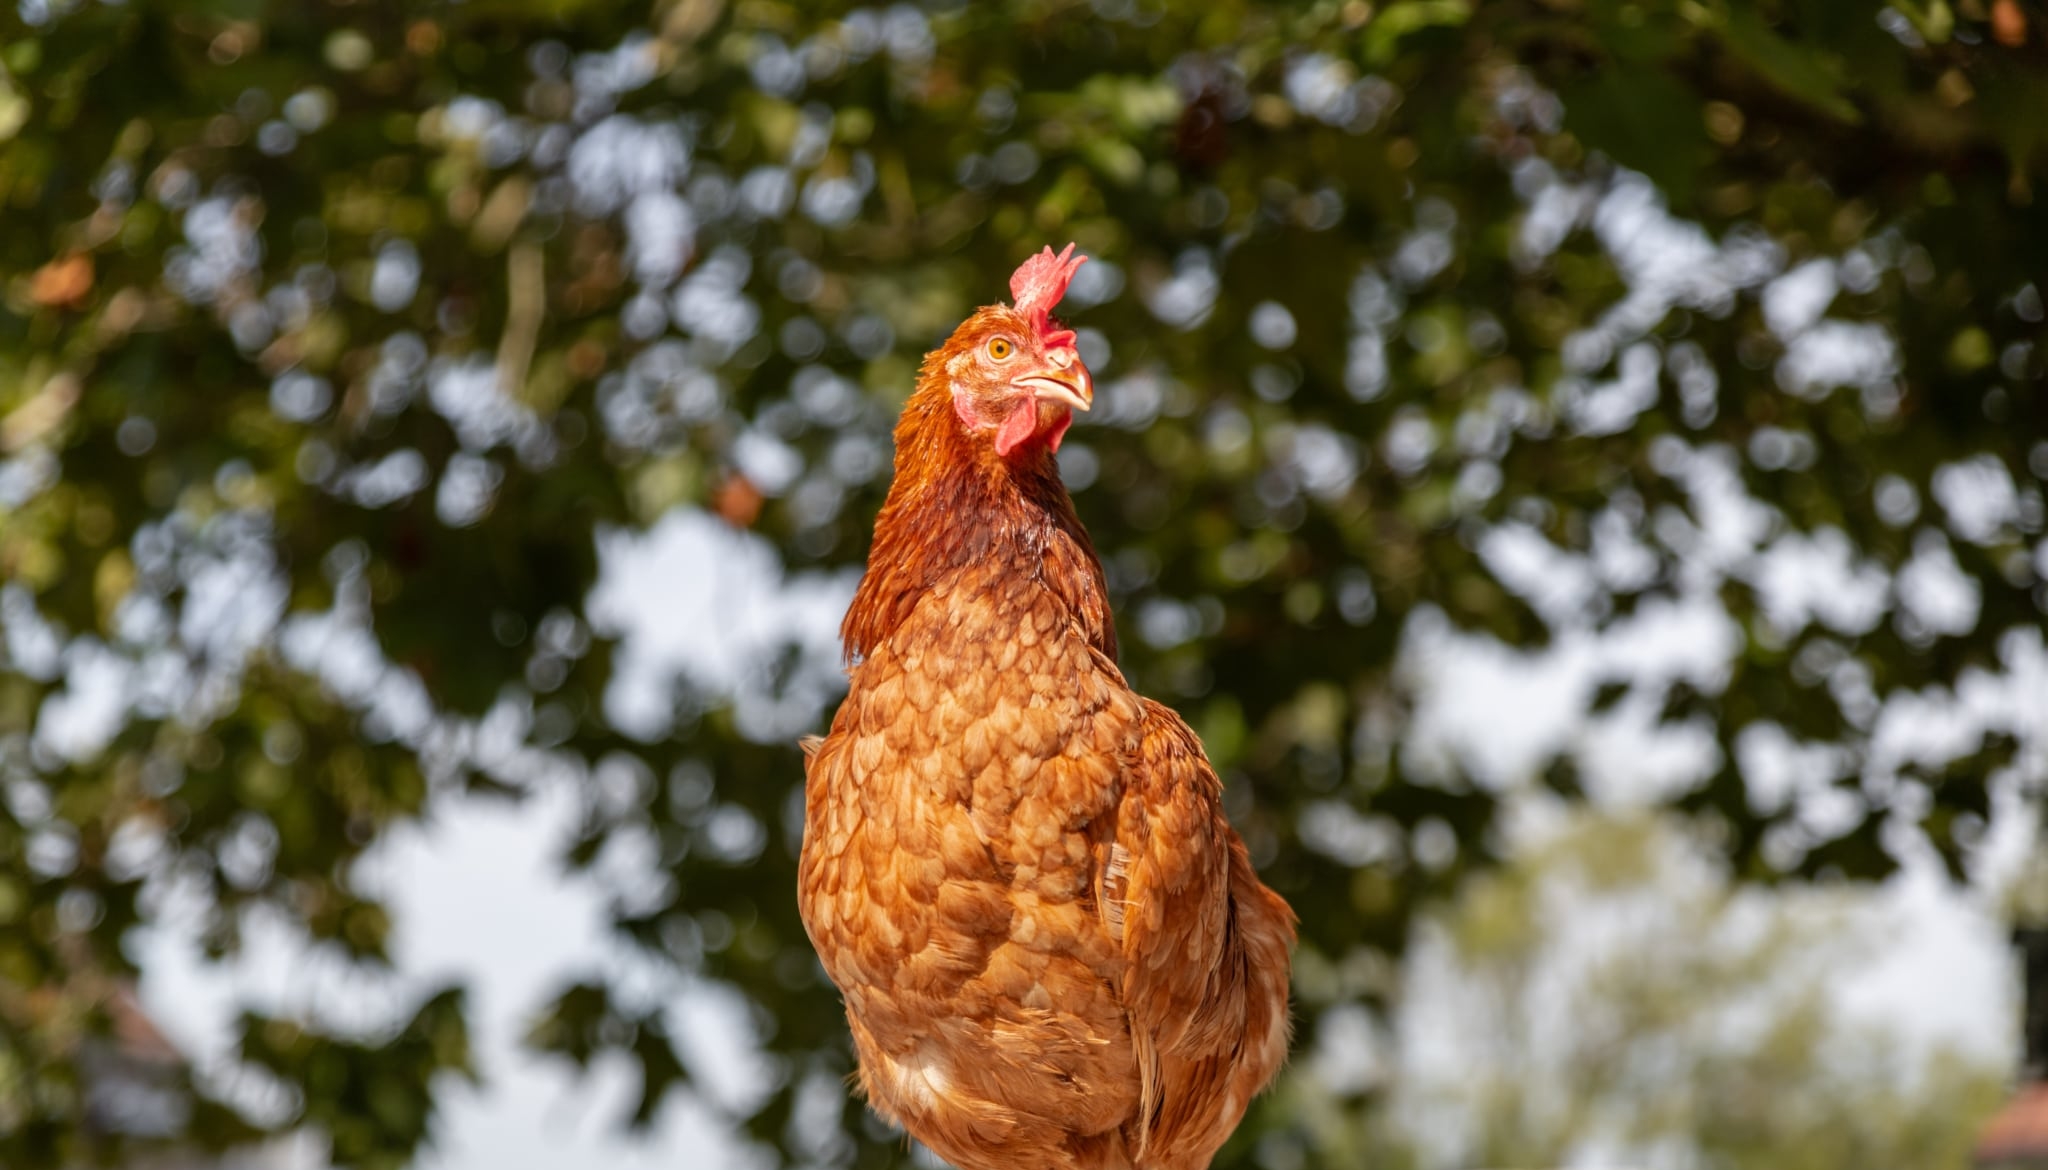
[[1052, 946]]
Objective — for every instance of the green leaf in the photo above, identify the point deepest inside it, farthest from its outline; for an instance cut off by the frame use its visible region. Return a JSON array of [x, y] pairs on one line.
[[1645, 120], [1804, 71], [1403, 19]]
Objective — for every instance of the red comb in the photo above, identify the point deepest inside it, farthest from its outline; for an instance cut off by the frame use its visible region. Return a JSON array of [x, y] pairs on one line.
[[1040, 282]]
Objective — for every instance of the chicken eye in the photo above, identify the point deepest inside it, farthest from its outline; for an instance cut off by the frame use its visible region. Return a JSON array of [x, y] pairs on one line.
[[1001, 348]]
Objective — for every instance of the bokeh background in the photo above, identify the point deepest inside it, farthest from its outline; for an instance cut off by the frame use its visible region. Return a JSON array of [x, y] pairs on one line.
[[1579, 465]]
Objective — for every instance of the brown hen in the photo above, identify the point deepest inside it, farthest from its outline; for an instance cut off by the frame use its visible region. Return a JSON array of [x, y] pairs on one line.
[[1052, 946]]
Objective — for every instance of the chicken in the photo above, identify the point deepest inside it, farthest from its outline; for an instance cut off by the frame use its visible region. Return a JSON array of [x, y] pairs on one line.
[[1052, 947]]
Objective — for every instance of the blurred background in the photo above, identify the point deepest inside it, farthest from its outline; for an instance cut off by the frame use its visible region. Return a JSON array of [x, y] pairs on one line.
[[1579, 465]]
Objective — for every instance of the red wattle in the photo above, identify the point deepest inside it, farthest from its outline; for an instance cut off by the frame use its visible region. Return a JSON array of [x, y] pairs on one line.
[[1058, 431], [1021, 424]]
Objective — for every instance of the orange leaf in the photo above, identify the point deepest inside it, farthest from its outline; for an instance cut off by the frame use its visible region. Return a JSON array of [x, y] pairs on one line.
[[737, 501], [63, 282], [2008, 23]]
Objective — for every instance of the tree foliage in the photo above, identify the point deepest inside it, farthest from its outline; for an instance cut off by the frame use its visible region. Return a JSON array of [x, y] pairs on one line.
[[335, 332], [1611, 998]]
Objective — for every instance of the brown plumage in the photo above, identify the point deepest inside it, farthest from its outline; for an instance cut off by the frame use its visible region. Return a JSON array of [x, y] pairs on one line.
[[1052, 946]]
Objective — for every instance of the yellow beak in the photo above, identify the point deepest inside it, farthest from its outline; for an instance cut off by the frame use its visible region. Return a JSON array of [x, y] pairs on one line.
[[1071, 385]]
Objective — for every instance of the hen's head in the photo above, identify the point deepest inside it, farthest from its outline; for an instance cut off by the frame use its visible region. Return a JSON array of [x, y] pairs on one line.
[[1012, 370]]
